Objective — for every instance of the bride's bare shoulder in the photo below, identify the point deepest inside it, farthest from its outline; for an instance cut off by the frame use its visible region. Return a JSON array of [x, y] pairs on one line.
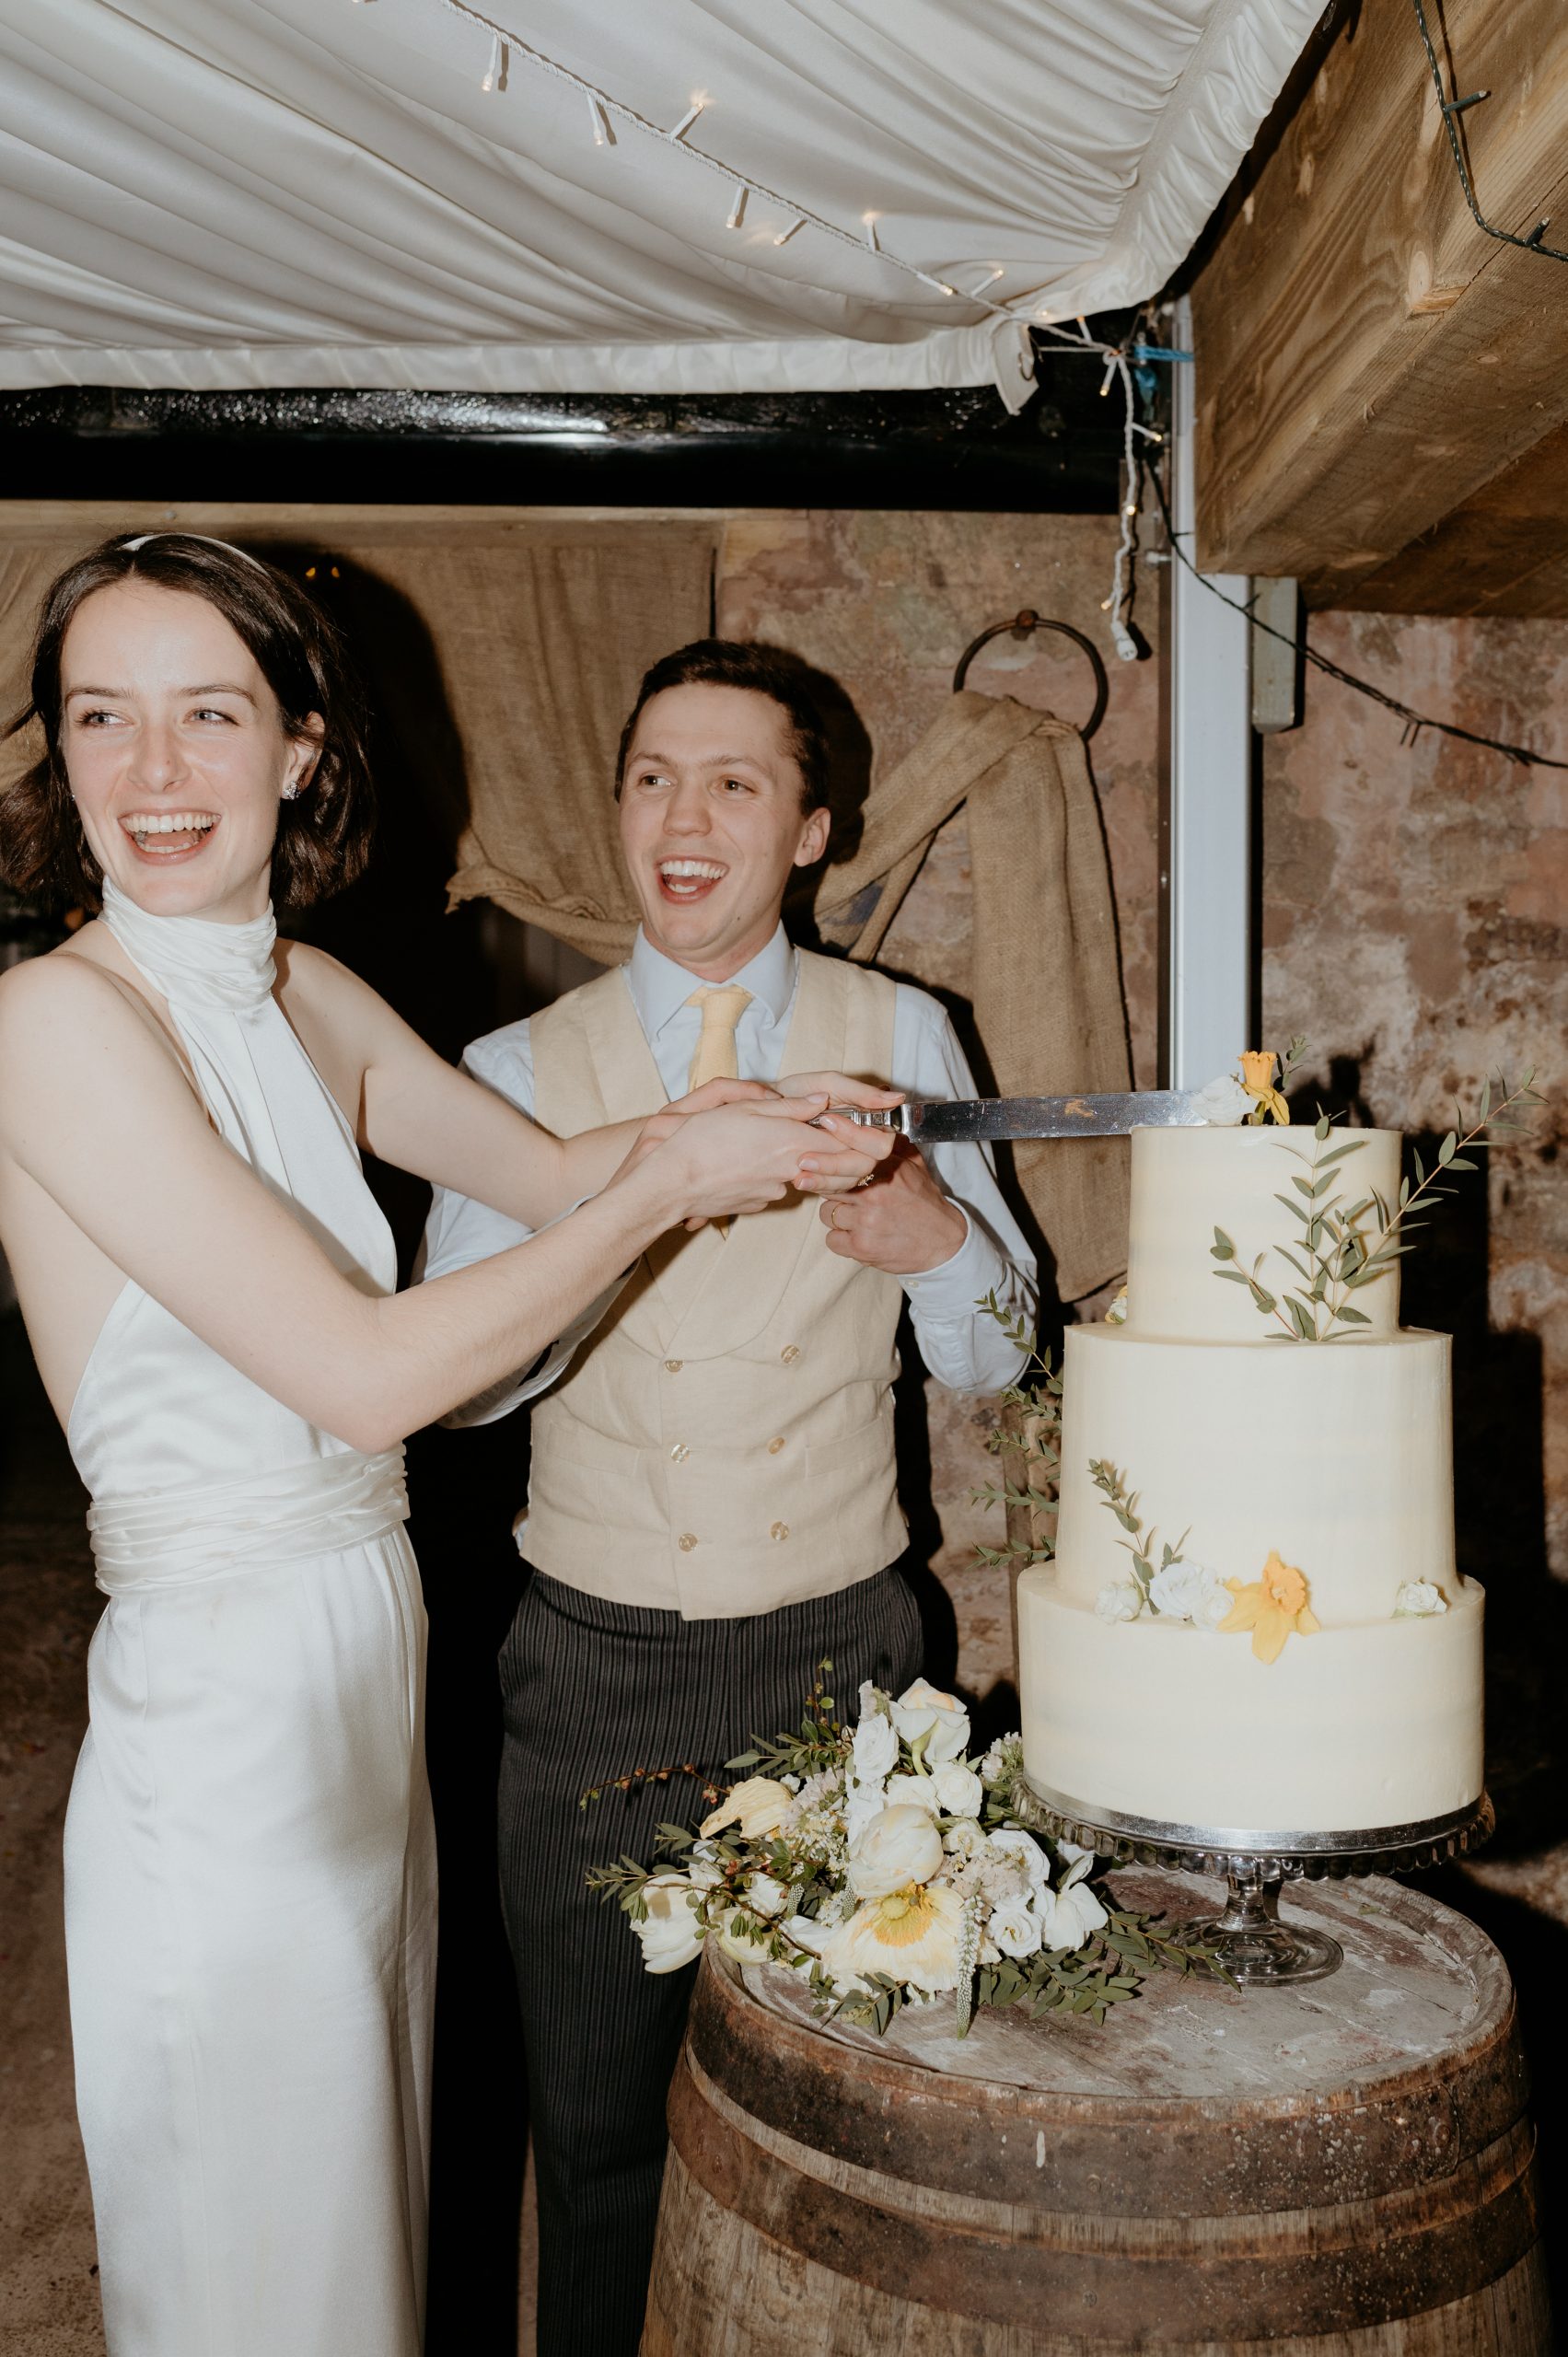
[[67, 992]]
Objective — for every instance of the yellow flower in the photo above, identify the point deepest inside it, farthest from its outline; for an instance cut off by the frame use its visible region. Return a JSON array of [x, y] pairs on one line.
[[913, 1935], [1258, 1079], [1274, 1607], [757, 1806]]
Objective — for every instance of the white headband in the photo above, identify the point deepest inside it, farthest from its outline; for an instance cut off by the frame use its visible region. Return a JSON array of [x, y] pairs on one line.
[[142, 540]]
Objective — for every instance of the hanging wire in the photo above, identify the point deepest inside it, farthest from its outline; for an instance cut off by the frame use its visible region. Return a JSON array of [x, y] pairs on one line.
[[1520, 755], [1452, 110]]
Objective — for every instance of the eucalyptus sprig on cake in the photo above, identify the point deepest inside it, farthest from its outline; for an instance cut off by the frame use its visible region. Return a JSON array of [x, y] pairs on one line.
[[885, 1862], [1032, 1435], [1343, 1244]]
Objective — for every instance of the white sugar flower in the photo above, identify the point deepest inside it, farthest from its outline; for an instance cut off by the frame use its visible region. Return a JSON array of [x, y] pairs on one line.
[[959, 1790], [875, 1747], [1191, 1592], [900, 1847], [1417, 1598], [922, 1709], [862, 1804], [758, 1806], [1024, 1851], [911, 1935], [1070, 1913], [1119, 1602], [673, 1932], [1016, 1929], [765, 1894], [913, 1792], [1223, 1103], [964, 1840]]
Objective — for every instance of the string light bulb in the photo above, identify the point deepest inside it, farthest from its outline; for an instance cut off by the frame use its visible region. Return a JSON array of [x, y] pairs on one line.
[[495, 72], [603, 136], [787, 232], [737, 207], [699, 100], [872, 240]]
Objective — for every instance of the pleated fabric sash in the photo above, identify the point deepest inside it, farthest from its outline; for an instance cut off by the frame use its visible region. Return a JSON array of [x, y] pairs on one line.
[[173, 1538]]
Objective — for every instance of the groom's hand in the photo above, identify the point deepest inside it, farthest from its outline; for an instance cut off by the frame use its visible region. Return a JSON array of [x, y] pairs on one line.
[[901, 1220]]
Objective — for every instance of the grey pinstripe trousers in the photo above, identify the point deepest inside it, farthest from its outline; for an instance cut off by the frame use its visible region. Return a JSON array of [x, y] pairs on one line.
[[592, 1690]]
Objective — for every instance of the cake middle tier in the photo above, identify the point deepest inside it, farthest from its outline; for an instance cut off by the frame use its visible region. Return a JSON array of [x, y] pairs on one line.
[[1335, 1455]]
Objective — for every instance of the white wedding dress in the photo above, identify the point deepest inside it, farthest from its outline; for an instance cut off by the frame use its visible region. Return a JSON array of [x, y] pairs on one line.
[[249, 1863]]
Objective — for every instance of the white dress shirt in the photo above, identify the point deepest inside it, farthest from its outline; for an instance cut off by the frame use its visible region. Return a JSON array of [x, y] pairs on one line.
[[963, 1347]]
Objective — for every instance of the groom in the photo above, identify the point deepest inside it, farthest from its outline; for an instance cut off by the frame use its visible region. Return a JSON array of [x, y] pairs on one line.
[[712, 1508]]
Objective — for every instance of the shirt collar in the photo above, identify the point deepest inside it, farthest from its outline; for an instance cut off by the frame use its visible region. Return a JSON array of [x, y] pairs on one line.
[[660, 988]]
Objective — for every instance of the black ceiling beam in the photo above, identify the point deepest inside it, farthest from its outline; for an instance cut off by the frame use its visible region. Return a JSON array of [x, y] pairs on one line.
[[937, 449]]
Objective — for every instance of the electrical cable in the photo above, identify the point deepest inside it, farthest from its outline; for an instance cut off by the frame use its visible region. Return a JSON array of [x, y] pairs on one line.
[[1452, 108]]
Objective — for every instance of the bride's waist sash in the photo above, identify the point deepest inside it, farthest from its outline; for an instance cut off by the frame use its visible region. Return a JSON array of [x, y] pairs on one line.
[[171, 1538]]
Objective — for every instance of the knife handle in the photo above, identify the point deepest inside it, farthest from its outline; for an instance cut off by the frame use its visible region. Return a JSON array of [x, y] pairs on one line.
[[871, 1117]]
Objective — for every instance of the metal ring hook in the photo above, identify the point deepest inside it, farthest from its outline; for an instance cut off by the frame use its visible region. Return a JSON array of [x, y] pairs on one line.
[[1020, 626]]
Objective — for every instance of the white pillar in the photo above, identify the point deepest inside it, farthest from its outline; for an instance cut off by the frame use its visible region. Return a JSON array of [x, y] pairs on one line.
[[1207, 882]]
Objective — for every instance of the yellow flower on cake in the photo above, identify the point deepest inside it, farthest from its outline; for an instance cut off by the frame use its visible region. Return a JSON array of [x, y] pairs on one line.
[[1274, 1607], [1258, 1079], [913, 1935], [757, 1806]]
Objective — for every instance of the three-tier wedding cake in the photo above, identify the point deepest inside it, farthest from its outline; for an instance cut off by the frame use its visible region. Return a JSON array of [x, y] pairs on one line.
[[1253, 1624]]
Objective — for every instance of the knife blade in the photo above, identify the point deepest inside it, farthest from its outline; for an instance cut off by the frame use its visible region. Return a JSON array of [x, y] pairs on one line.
[[962, 1120]]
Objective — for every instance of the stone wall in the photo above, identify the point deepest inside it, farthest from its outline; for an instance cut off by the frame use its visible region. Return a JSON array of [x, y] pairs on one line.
[[886, 603]]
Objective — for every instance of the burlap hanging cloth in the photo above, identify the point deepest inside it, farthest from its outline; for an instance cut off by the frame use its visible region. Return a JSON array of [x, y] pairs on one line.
[[1046, 976]]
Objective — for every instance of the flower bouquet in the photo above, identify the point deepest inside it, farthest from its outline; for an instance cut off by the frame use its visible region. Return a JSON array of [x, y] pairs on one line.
[[885, 1862]]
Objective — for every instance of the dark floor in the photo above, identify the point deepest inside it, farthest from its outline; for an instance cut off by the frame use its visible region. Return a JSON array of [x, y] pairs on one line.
[[464, 1487]]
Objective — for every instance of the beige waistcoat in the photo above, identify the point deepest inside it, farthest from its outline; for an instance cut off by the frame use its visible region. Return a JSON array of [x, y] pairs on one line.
[[723, 1444]]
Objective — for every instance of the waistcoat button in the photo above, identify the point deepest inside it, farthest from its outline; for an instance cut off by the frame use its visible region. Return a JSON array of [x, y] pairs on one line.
[[790, 1352], [779, 1530], [680, 1453], [774, 1446], [673, 1367], [686, 1540]]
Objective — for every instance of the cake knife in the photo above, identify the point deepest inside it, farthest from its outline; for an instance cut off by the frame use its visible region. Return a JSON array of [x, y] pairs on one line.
[[951, 1121]]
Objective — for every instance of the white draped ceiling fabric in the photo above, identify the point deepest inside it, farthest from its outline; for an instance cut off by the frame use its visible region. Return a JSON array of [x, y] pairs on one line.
[[235, 193]]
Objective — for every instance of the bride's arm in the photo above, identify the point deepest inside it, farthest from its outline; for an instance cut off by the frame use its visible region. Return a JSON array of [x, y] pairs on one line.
[[94, 1110], [421, 1116]]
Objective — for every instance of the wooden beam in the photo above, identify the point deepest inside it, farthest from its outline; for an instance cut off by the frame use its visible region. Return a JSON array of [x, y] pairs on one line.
[[1369, 357], [1504, 550]]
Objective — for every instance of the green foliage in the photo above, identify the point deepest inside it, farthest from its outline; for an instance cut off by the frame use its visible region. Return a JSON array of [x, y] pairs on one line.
[[1124, 1503], [1038, 1398], [1343, 1245]]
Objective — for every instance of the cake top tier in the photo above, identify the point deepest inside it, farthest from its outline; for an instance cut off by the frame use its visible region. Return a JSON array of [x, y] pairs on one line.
[[1189, 1183]]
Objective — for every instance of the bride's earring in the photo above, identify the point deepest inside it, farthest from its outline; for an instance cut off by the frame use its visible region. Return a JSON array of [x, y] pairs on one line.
[[291, 791]]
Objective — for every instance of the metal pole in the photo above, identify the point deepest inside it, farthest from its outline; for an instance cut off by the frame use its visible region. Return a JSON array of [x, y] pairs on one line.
[[1209, 974]]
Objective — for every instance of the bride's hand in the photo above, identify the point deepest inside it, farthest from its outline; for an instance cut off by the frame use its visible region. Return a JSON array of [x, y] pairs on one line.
[[730, 1157], [853, 1159]]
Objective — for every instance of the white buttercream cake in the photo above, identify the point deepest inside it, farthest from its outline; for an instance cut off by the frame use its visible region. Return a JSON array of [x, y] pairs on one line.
[[1316, 1667]]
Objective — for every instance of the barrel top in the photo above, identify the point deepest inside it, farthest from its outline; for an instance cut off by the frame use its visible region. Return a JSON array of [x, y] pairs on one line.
[[1420, 1988]]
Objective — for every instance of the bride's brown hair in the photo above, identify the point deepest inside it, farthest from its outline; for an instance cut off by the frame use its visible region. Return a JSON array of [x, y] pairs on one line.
[[323, 838]]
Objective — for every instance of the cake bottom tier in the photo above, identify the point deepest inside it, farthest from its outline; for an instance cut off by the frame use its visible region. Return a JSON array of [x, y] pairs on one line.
[[1348, 1729]]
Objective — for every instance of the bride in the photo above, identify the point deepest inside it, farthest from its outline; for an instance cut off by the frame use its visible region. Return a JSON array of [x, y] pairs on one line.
[[208, 1287]]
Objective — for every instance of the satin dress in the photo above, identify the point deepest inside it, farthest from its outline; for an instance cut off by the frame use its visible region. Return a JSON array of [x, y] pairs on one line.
[[250, 1862]]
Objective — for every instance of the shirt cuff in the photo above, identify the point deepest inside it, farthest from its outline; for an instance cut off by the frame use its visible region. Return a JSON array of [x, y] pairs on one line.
[[954, 1286]]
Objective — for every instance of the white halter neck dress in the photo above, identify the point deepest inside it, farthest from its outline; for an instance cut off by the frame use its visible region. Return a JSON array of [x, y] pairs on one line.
[[249, 1865]]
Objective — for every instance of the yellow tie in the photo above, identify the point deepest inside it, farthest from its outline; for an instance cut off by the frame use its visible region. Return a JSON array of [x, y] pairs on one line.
[[722, 1010]]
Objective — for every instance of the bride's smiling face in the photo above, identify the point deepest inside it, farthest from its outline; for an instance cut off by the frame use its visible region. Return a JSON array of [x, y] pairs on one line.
[[175, 751]]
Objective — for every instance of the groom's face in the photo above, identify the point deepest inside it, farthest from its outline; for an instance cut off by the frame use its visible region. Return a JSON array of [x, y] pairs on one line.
[[712, 826]]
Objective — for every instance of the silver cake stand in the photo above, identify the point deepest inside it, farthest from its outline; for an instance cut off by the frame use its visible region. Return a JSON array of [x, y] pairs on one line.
[[1255, 1945]]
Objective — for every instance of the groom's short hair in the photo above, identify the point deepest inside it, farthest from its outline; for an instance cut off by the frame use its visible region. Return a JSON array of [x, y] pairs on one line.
[[769, 672]]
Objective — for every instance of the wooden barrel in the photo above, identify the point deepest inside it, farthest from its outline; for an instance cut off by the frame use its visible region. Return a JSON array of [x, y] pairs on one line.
[[1342, 2170]]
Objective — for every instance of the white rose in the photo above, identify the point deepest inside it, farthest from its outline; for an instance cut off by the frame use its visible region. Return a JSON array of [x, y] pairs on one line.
[[1222, 1103], [673, 1932], [959, 1790], [765, 1894], [758, 1806], [1416, 1598], [1016, 1929], [1025, 1852], [868, 1698], [912, 1792], [747, 1942], [900, 1847], [922, 1709], [1191, 1592], [964, 1839], [1121, 1602], [875, 1747]]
